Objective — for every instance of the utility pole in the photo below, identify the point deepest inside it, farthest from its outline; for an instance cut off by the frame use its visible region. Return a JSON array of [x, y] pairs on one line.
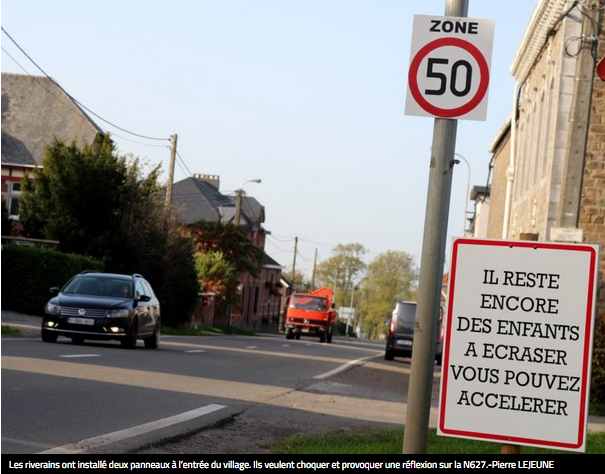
[[294, 262], [238, 205], [238, 199], [174, 139], [314, 268], [431, 272]]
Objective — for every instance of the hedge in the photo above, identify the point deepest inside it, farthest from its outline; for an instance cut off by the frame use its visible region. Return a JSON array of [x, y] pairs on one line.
[[28, 273]]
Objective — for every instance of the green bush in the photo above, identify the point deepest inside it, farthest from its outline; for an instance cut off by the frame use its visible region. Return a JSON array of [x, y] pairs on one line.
[[597, 389], [29, 272]]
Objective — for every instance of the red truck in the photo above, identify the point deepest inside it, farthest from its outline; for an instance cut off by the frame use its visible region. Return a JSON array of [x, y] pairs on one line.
[[311, 313]]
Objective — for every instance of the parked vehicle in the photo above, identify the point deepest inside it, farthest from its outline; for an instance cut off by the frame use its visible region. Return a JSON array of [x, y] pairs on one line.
[[400, 341], [311, 313], [104, 306]]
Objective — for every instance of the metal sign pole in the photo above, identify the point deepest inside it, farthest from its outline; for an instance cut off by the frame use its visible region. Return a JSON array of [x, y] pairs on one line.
[[431, 273]]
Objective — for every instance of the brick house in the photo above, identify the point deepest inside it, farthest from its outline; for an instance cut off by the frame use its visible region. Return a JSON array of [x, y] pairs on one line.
[[548, 164], [260, 299], [35, 111]]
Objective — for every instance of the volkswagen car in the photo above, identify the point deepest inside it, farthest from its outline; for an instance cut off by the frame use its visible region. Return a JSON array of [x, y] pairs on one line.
[[103, 306]]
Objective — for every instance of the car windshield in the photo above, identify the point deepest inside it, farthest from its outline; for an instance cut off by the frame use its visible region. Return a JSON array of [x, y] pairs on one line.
[[312, 303], [99, 286]]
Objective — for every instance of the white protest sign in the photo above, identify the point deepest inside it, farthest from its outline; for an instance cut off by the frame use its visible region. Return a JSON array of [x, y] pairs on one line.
[[518, 342]]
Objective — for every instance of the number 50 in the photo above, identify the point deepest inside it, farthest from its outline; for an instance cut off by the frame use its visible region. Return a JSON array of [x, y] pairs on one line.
[[442, 77]]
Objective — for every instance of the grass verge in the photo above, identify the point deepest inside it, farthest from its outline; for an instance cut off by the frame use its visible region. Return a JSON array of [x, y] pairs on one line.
[[391, 442], [10, 331]]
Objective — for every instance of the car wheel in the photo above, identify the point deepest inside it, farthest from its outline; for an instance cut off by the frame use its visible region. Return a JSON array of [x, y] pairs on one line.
[[329, 338], [154, 341], [48, 336], [289, 334], [131, 339], [322, 337], [388, 355]]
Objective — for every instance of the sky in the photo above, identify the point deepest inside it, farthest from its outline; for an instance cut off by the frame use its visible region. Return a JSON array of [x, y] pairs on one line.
[[306, 95]]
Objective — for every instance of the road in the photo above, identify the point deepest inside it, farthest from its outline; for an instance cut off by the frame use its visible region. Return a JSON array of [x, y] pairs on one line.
[[98, 397]]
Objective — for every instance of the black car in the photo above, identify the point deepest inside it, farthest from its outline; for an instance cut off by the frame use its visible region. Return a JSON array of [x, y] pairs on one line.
[[400, 341], [104, 306]]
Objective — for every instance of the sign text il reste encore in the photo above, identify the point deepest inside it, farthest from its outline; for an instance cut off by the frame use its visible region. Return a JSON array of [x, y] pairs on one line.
[[516, 365]]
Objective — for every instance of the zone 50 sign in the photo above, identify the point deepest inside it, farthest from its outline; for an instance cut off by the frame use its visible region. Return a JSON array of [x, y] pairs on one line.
[[449, 67]]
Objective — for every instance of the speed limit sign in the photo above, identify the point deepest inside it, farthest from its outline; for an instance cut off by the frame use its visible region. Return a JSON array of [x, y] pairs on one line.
[[449, 67]]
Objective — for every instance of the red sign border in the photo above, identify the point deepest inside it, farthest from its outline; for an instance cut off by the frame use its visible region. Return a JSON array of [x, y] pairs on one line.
[[458, 111], [586, 357]]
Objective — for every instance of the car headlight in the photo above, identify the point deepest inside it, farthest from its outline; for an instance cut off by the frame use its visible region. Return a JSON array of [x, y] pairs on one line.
[[52, 308], [118, 313]]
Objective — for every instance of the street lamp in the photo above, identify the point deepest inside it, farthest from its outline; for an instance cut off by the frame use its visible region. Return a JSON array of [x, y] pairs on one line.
[[238, 199], [466, 196]]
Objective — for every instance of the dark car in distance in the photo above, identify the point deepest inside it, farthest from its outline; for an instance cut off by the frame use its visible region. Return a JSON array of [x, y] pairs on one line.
[[103, 306], [400, 340]]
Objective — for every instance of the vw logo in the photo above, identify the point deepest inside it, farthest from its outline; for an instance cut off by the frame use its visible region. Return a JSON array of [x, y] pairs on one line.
[[82, 312]]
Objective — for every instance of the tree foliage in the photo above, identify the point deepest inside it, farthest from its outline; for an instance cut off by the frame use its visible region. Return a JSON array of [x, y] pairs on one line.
[[216, 274], [99, 204], [342, 271], [231, 240], [391, 277], [222, 252], [300, 284]]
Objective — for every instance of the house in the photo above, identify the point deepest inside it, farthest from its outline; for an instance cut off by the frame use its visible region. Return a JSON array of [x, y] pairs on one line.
[[260, 299], [549, 157], [35, 112]]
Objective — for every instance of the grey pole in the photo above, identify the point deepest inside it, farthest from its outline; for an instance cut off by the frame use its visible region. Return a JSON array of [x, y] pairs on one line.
[[431, 273]]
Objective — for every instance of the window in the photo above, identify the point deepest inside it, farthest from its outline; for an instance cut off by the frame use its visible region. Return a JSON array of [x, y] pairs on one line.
[[14, 192]]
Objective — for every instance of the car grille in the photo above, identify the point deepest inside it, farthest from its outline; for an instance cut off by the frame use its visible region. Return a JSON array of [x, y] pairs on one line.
[[90, 313]]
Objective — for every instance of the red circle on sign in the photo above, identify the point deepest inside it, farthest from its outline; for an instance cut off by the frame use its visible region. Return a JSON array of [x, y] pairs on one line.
[[457, 111]]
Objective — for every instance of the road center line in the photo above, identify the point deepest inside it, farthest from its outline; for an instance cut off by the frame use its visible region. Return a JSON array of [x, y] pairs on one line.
[[73, 356], [109, 438], [343, 367]]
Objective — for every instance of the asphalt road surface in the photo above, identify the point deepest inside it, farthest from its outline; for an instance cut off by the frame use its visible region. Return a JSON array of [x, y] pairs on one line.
[[207, 394]]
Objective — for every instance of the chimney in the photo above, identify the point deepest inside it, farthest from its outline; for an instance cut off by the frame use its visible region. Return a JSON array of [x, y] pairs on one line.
[[213, 179]]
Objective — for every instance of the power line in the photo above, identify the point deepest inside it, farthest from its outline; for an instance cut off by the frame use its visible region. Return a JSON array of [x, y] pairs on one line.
[[73, 98], [182, 164]]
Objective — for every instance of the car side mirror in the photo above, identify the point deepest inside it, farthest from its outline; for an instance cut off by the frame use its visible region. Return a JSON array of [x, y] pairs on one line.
[[144, 298], [54, 290]]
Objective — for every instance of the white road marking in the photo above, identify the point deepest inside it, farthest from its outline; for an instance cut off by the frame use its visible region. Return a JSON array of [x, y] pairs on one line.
[[74, 356], [342, 367], [195, 351], [251, 347], [109, 438]]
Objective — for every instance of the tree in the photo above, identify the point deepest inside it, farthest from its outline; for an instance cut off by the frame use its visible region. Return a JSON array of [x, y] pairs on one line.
[[300, 284], [76, 198], [342, 271], [391, 277], [99, 204], [222, 252], [216, 274]]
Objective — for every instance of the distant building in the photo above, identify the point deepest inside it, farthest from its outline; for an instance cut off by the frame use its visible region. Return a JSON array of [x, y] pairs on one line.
[[549, 156], [199, 198]]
